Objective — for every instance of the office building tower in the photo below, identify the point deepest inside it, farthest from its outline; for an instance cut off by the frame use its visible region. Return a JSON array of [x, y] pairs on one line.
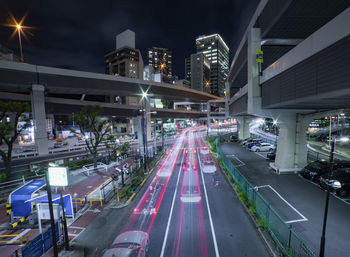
[[217, 52], [188, 68], [160, 59], [125, 61], [200, 72]]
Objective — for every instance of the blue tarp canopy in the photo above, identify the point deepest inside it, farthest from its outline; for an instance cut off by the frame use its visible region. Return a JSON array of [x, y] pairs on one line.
[[18, 198], [67, 202]]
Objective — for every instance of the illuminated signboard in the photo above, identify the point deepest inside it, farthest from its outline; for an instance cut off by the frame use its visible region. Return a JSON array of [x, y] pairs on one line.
[[58, 176]]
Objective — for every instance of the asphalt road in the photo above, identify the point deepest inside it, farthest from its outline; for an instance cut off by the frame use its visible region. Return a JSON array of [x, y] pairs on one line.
[[307, 199], [188, 208]]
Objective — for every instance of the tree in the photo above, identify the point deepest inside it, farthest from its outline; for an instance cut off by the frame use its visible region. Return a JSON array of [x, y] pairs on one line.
[[12, 123], [112, 145], [92, 128], [124, 149]]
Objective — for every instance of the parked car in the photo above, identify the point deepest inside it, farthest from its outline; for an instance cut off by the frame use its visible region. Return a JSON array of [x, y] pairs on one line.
[[234, 138], [255, 142], [248, 141], [316, 169], [262, 147], [245, 141], [129, 244], [271, 155], [338, 181]]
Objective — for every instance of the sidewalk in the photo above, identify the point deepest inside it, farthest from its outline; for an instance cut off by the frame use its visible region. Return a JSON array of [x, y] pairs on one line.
[[83, 188]]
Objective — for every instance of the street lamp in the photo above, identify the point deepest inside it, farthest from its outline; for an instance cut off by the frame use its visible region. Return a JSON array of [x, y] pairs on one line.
[[19, 30], [323, 236], [275, 126], [144, 134]]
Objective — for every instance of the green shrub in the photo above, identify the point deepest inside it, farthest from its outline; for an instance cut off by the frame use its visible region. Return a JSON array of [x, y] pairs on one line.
[[136, 181], [3, 177]]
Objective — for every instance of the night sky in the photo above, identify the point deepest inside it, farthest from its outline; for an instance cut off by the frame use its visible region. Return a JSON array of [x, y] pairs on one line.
[[77, 34]]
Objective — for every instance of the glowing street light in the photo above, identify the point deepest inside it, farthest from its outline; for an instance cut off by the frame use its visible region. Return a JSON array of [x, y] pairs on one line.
[[162, 66], [19, 30], [207, 83]]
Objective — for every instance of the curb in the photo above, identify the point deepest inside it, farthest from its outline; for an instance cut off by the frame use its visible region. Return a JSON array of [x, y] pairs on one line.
[[143, 181]]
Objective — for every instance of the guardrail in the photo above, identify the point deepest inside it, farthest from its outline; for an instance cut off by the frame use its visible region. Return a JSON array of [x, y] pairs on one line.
[[13, 239], [90, 167], [63, 149], [9, 185], [282, 233]]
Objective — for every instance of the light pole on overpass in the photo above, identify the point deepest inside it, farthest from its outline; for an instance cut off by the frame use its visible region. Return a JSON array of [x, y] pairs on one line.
[[323, 236]]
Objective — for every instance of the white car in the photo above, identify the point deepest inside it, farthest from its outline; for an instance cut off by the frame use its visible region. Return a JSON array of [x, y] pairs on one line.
[[129, 244], [263, 147]]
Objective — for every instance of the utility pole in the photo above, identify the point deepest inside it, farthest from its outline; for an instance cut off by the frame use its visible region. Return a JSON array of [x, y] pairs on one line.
[[52, 218], [323, 236]]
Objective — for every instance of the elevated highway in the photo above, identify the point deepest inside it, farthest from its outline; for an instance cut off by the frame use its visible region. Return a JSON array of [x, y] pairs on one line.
[[19, 77], [304, 74]]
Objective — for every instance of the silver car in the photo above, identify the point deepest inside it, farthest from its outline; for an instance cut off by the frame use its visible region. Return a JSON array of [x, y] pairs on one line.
[[129, 244]]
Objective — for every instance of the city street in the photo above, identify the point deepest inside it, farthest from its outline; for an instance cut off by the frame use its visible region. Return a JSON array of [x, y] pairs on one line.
[[298, 201], [188, 209]]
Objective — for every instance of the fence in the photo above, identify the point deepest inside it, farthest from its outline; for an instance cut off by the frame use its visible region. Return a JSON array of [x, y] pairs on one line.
[[282, 233], [312, 154]]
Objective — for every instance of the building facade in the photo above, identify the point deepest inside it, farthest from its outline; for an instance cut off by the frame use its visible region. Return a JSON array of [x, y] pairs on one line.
[[200, 72], [125, 61], [217, 52], [188, 68], [160, 59]]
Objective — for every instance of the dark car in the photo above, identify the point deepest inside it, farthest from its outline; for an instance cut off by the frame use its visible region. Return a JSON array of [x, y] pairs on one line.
[[234, 138], [271, 155], [337, 181], [316, 169], [255, 142]]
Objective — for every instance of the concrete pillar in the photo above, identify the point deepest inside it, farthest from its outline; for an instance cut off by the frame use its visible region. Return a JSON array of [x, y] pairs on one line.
[[148, 120], [227, 99], [254, 93], [292, 145], [243, 127], [39, 117]]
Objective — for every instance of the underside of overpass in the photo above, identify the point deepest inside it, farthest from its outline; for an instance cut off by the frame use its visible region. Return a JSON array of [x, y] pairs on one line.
[[305, 69]]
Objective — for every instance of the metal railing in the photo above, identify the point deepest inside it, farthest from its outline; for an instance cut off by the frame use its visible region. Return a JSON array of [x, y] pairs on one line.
[[283, 234], [90, 167]]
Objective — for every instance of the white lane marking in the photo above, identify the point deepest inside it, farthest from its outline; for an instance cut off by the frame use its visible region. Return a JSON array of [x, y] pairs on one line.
[[241, 163], [209, 212], [303, 218], [341, 199], [293, 221], [172, 208], [17, 237], [260, 155]]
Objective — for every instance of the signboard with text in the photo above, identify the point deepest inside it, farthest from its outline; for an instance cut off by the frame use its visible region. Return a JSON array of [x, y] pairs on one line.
[[58, 176]]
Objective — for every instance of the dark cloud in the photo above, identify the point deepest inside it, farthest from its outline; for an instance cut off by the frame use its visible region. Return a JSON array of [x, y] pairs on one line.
[[77, 34]]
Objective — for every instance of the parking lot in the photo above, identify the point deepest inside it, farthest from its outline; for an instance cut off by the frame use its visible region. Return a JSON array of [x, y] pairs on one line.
[[298, 201]]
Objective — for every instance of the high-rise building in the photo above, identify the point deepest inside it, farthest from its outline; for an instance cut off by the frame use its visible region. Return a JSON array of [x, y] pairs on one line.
[[188, 68], [217, 52], [200, 72], [125, 61], [160, 59]]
